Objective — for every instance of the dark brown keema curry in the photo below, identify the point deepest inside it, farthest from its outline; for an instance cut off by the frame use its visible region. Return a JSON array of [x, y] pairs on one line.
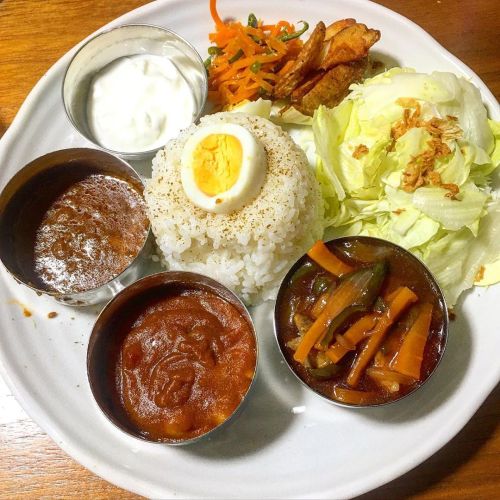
[[361, 321], [89, 234]]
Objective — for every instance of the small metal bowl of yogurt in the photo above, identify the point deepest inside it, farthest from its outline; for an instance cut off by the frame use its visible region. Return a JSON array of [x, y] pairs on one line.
[[131, 89]]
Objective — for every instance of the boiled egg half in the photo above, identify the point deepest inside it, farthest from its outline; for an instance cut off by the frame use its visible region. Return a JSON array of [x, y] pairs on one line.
[[223, 167]]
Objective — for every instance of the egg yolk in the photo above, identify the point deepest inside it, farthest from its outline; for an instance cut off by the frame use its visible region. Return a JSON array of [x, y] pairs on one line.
[[216, 163]]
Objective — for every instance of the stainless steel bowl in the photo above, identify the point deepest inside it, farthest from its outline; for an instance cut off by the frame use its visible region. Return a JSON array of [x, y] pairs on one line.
[[27, 196], [106, 339], [128, 40], [439, 296]]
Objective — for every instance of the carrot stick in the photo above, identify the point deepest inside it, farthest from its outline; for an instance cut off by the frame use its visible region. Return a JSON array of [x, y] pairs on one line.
[[408, 359], [276, 30], [385, 375], [391, 295], [355, 334], [400, 302], [342, 297], [277, 45], [215, 16], [352, 397], [402, 299], [320, 304], [327, 260]]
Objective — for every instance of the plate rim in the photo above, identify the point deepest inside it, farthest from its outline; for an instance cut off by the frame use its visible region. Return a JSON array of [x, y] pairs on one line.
[[126, 480]]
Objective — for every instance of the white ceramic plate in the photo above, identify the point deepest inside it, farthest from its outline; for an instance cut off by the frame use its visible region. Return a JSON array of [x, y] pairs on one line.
[[287, 443]]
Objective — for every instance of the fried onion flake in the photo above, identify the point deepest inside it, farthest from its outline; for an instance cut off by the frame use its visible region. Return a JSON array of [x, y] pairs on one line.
[[420, 170]]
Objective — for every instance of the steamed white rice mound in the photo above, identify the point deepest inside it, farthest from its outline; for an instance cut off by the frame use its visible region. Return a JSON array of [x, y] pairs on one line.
[[251, 249]]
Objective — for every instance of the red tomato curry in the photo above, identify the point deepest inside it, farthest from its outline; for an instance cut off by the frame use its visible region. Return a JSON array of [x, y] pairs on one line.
[[185, 364]]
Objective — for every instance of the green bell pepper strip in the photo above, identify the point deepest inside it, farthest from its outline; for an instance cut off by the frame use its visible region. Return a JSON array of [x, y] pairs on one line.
[[301, 272], [236, 56], [255, 67], [325, 372], [296, 34], [365, 300], [321, 284], [252, 20], [338, 321]]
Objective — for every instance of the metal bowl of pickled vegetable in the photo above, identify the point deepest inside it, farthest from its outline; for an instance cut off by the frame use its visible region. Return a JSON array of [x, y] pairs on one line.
[[361, 321]]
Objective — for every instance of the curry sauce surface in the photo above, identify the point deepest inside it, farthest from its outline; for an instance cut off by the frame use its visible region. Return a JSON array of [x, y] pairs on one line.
[[90, 234], [185, 365]]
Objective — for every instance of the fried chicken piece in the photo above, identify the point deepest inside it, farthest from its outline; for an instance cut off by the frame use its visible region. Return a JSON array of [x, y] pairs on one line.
[[306, 86], [331, 31], [350, 44], [330, 61], [333, 87], [338, 26], [307, 60]]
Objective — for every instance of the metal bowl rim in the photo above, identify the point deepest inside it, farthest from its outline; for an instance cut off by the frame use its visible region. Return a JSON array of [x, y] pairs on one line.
[[444, 341], [132, 155], [201, 279]]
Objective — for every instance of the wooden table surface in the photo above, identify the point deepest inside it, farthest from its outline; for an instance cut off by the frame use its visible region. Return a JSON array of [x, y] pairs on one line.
[[33, 35]]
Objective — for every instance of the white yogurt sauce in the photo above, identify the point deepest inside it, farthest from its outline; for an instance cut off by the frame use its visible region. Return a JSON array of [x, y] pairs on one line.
[[138, 103]]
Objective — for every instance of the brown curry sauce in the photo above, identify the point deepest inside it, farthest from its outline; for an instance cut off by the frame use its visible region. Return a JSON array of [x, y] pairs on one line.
[[89, 234], [403, 270]]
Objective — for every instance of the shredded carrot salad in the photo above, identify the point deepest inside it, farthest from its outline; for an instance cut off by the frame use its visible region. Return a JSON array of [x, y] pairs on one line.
[[246, 60]]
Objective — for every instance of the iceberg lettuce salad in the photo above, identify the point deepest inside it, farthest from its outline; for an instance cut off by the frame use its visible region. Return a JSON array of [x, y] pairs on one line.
[[390, 130], [410, 158]]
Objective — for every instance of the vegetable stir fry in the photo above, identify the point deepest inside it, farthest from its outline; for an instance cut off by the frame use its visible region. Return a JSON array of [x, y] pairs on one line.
[[361, 324], [246, 60]]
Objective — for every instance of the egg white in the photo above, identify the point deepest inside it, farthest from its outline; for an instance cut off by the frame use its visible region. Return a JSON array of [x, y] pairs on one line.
[[251, 177]]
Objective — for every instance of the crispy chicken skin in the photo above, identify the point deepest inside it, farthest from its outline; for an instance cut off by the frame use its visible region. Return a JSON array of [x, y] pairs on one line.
[[338, 26], [331, 60], [333, 87], [307, 60], [350, 44]]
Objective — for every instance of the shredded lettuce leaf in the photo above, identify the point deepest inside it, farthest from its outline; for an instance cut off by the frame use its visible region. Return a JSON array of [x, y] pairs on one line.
[[458, 237], [260, 107], [452, 214], [456, 258], [455, 230]]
